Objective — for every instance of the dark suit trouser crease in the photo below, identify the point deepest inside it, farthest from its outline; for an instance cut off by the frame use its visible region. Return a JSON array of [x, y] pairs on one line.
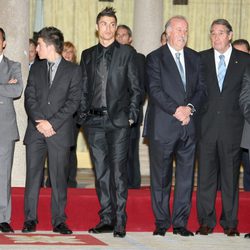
[[133, 164], [58, 166], [229, 157], [108, 150], [161, 168]]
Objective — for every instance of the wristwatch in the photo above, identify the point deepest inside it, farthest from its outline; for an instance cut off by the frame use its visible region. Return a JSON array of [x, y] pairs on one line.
[[192, 108]]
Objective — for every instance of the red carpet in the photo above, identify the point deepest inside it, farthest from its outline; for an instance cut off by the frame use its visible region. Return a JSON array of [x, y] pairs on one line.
[[83, 207]]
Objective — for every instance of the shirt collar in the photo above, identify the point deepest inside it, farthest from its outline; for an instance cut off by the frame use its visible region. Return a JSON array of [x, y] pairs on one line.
[[227, 55], [173, 51], [1, 58], [57, 61]]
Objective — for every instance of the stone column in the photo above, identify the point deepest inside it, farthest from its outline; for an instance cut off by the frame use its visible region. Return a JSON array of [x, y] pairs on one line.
[[15, 22], [148, 25], [147, 29]]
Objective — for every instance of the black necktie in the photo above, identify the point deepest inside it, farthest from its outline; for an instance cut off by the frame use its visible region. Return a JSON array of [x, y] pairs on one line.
[[50, 66]]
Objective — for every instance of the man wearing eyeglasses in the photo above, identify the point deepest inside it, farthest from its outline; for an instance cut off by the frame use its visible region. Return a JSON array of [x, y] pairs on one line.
[[221, 125]]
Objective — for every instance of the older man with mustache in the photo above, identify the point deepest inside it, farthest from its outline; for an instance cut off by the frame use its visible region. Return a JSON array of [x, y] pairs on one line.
[[175, 94]]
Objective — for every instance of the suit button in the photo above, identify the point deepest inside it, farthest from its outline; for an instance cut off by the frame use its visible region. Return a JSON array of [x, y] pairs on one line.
[[48, 103], [218, 112]]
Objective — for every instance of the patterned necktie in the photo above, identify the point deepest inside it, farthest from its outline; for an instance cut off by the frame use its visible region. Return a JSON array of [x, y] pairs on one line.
[[180, 68], [221, 71], [50, 66]]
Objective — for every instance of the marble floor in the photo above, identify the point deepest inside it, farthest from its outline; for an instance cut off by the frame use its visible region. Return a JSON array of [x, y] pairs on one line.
[[136, 241]]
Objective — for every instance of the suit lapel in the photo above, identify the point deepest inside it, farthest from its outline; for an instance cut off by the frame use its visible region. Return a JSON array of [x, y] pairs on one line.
[[188, 69], [230, 68], [170, 65], [59, 73]]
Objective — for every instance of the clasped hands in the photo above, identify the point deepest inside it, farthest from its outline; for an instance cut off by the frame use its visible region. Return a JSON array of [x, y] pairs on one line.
[[182, 113], [45, 128]]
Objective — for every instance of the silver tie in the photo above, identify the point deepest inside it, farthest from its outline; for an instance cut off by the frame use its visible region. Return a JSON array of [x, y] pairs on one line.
[[180, 68], [221, 71]]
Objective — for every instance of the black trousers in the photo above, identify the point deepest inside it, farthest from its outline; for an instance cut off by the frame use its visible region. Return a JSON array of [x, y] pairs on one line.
[[133, 164], [226, 157], [108, 150], [161, 169], [58, 156]]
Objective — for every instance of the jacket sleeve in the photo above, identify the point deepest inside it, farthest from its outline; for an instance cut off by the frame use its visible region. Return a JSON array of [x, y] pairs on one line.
[[83, 107], [154, 81], [134, 88], [13, 90], [245, 95], [200, 93]]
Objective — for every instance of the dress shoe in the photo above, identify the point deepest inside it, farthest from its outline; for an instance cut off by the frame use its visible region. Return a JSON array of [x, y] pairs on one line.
[[6, 228], [119, 234], [29, 226], [159, 231], [247, 236], [102, 228], [182, 231], [62, 228], [204, 230], [231, 232]]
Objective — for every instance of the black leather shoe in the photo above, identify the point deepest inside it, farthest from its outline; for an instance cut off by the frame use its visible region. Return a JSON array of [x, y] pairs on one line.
[[62, 228], [29, 226], [159, 231], [247, 236], [102, 228], [204, 230], [182, 231], [231, 232], [119, 234], [6, 228]]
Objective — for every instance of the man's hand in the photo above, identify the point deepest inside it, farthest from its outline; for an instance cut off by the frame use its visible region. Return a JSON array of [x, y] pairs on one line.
[[12, 81], [45, 128], [186, 121], [182, 113]]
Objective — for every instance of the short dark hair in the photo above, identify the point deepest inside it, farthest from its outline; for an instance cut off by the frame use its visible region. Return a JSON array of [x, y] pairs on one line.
[[3, 34], [123, 26], [241, 42], [32, 41], [52, 36], [108, 11], [222, 22]]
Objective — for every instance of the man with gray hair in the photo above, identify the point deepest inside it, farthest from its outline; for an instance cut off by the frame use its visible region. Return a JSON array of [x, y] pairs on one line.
[[221, 124], [175, 95]]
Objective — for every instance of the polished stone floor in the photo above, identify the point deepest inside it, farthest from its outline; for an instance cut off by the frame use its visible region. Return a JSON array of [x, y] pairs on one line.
[[139, 241]]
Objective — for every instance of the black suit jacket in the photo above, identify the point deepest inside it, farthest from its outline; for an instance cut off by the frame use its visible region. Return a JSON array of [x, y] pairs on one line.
[[166, 93], [141, 63], [123, 90], [221, 115], [56, 104]]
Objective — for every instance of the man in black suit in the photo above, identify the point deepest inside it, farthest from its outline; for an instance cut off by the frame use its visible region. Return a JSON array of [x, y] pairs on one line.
[[221, 125], [52, 96], [124, 36], [175, 94], [109, 106]]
